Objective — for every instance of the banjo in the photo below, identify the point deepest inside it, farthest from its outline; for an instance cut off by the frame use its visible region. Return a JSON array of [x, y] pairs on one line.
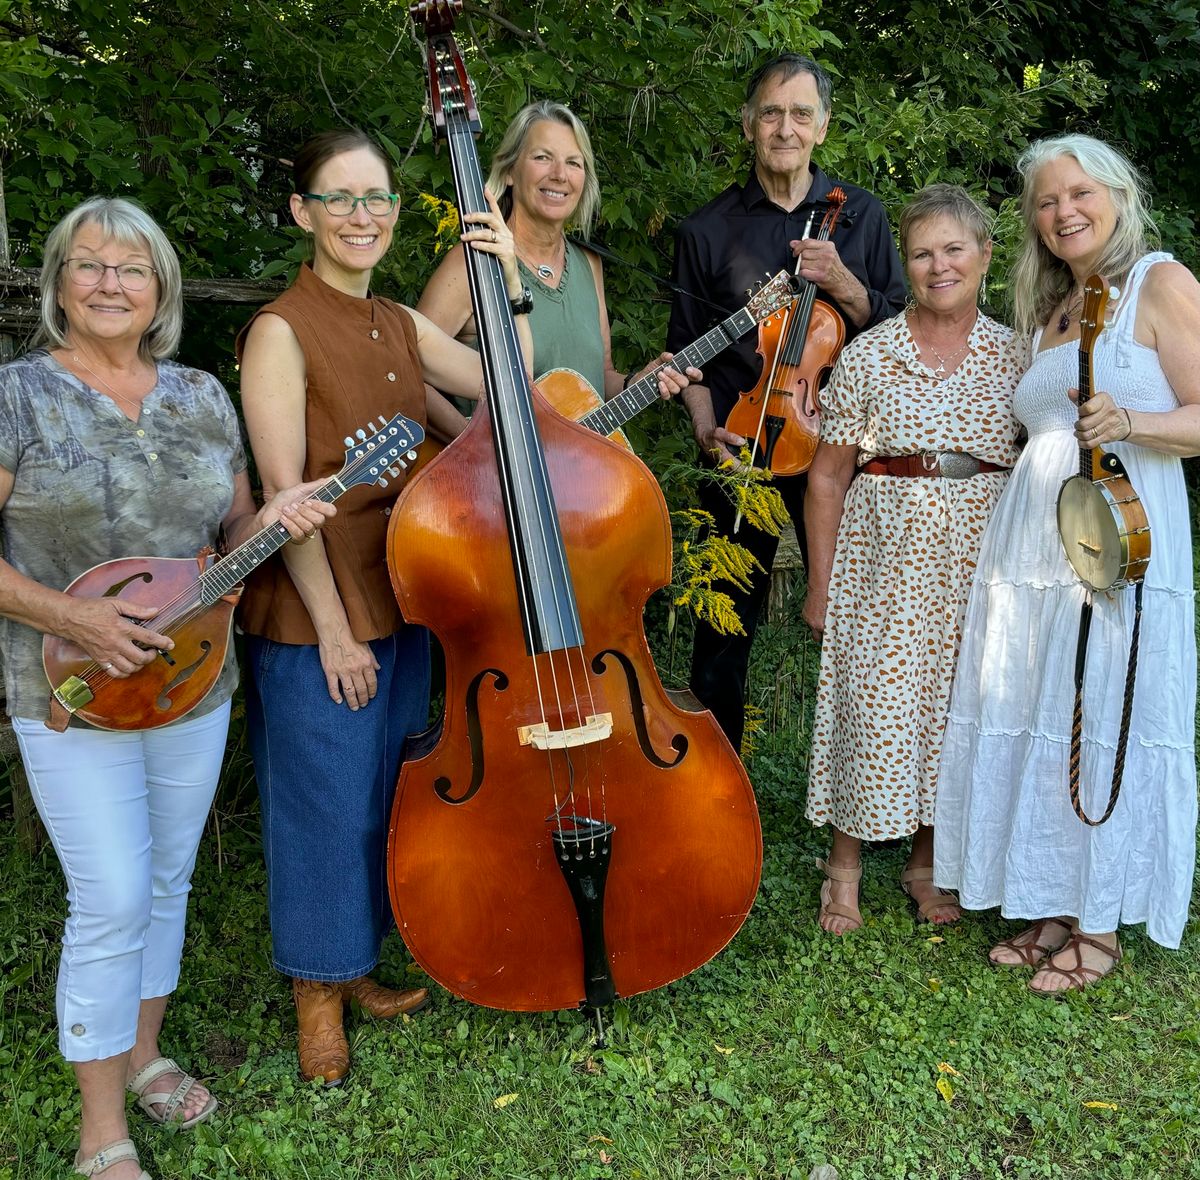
[[1105, 535], [1102, 523]]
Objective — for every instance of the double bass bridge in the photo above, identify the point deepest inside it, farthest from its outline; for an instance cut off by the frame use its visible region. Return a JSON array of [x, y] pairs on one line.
[[595, 728]]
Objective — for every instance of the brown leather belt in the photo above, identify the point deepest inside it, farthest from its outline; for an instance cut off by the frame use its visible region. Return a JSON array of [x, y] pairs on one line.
[[930, 465]]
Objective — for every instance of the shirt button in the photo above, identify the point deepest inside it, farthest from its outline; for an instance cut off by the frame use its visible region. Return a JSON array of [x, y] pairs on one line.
[[78, 1030], [374, 333], [153, 457], [391, 376], [141, 434], [387, 512]]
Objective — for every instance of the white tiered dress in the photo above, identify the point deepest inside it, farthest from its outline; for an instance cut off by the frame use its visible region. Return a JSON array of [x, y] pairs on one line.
[[1006, 834]]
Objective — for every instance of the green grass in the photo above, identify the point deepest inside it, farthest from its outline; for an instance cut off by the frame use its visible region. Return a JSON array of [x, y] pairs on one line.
[[789, 1050]]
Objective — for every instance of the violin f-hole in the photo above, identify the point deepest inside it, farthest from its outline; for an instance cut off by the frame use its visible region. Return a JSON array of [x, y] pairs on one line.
[[679, 742], [442, 786]]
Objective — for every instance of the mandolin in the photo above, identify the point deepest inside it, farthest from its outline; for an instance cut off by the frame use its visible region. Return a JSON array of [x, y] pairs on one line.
[[195, 597], [1101, 521]]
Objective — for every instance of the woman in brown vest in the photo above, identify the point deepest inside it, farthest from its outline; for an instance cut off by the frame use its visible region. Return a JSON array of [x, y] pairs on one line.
[[337, 680]]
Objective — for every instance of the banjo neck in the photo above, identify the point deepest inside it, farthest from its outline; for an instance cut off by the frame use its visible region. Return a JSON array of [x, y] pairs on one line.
[[1091, 324]]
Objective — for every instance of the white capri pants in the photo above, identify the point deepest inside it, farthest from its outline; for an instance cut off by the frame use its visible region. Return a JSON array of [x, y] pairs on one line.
[[125, 812]]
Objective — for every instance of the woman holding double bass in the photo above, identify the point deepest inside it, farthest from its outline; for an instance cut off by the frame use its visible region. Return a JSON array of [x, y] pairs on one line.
[[325, 641]]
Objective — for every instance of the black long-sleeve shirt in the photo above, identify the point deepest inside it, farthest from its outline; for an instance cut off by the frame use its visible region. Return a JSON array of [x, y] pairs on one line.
[[740, 237]]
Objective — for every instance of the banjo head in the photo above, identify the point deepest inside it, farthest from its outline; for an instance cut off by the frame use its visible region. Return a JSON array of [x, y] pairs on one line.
[[1091, 535]]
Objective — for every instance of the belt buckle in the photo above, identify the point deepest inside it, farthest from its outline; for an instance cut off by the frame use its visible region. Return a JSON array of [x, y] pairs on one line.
[[958, 465]]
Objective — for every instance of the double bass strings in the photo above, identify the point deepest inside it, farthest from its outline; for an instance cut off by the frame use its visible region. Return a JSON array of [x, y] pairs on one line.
[[510, 423]]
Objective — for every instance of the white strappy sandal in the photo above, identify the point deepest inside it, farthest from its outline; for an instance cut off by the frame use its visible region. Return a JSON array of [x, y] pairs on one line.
[[109, 1154], [169, 1099]]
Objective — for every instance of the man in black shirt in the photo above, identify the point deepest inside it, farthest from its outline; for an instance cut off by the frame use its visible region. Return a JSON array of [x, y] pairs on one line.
[[747, 232]]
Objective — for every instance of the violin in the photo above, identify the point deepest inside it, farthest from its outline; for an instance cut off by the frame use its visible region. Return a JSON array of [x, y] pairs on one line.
[[569, 832], [195, 597], [780, 415]]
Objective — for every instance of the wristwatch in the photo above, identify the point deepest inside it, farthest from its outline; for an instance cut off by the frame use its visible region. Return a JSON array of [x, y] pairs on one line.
[[524, 304]]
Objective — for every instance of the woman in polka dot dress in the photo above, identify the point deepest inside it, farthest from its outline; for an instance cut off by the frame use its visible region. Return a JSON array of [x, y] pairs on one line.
[[917, 437]]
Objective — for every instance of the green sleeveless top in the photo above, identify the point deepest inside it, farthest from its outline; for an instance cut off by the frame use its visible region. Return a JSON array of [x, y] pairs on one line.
[[565, 321]]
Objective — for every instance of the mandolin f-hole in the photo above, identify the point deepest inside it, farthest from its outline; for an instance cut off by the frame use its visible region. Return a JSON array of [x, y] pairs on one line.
[[163, 701]]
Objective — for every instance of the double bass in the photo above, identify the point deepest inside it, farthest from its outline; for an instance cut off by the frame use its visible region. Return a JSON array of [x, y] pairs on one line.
[[779, 415], [570, 832]]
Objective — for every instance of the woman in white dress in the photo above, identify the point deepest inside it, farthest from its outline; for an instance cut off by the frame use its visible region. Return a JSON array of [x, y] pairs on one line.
[[1007, 834]]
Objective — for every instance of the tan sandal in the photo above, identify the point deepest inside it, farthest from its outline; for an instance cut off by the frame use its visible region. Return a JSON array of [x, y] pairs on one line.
[[169, 1098], [1079, 977], [941, 901], [1033, 951], [833, 909], [111, 1153]]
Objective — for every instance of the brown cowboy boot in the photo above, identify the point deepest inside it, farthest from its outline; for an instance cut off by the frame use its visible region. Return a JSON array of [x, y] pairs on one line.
[[324, 1052], [381, 1002]]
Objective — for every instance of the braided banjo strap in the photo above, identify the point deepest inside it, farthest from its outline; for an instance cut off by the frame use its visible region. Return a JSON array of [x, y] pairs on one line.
[[1085, 623]]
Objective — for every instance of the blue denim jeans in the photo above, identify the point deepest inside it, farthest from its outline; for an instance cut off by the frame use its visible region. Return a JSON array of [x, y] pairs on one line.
[[326, 777]]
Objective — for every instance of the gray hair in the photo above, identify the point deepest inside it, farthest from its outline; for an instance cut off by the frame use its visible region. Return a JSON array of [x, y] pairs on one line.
[[128, 224], [947, 200], [513, 144], [786, 66], [1040, 281]]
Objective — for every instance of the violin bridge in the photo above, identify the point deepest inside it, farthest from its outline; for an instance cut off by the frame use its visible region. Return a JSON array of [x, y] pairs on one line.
[[542, 737]]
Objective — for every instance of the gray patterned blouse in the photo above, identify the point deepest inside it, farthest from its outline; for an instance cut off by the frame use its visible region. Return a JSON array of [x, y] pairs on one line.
[[90, 486]]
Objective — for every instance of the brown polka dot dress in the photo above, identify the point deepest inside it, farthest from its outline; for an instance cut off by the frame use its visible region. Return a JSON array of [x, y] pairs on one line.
[[906, 550]]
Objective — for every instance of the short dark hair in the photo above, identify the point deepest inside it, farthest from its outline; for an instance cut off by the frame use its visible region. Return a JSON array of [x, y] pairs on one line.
[[323, 146], [788, 65]]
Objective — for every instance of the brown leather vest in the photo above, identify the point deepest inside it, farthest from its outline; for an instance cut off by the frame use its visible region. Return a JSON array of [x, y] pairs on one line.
[[361, 365]]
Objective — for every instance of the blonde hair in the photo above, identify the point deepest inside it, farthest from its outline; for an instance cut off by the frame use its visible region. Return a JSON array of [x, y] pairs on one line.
[[513, 143], [128, 224], [947, 200], [1040, 281]]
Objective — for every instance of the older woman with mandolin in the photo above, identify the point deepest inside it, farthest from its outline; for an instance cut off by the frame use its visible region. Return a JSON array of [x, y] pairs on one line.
[[1009, 831], [917, 437], [108, 450], [325, 640]]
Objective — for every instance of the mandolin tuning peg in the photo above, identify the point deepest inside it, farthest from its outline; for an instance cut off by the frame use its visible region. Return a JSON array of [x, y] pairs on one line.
[[402, 464], [395, 469], [382, 482], [348, 441], [412, 455], [360, 435]]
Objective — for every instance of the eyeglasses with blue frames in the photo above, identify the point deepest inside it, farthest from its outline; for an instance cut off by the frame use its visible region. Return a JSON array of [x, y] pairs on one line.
[[343, 204], [87, 272]]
